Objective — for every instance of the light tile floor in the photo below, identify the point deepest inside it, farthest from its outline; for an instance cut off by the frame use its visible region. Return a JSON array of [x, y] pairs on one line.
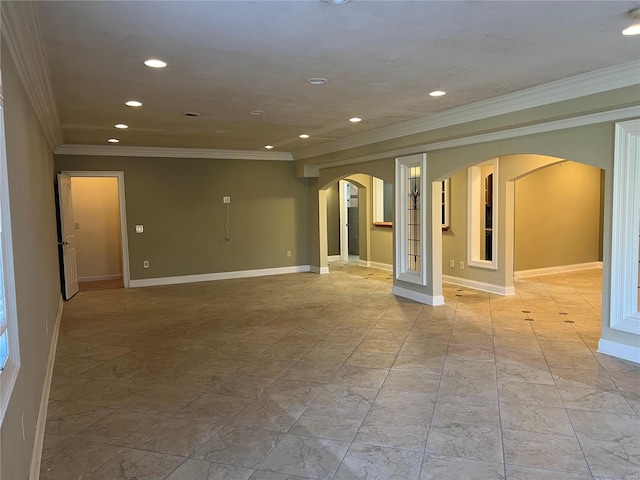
[[332, 377]]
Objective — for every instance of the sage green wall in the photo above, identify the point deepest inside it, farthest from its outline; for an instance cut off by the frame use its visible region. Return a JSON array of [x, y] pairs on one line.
[[179, 202], [454, 240], [557, 217], [333, 220], [37, 275]]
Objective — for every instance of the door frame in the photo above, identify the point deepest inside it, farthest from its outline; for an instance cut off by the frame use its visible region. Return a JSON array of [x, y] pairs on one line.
[[124, 247], [344, 220]]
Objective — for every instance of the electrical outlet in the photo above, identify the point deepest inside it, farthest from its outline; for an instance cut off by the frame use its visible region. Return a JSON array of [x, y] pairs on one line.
[[139, 228], [452, 263], [461, 265], [226, 199], [288, 253], [145, 264]]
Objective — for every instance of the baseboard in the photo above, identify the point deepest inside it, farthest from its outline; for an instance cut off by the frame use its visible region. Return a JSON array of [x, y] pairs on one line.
[[320, 270], [333, 258], [378, 265], [482, 286], [100, 278], [559, 269], [208, 277], [417, 296], [619, 350], [38, 443]]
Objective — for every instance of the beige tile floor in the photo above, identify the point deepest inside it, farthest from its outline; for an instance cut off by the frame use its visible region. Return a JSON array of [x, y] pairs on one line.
[[332, 377]]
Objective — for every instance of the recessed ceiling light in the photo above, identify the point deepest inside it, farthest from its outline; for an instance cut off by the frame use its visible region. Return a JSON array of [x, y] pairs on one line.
[[121, 125], [192, 114], [268, 147], [317, 81], [113, 140], [133, 103], [632, 30], [303, 135], [355, 119], [437, 93], [257, 112], [155, 63], [336, 2]]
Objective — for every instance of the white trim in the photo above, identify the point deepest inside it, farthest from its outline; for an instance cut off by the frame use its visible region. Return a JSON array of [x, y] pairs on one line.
[[208, 277], [99, 278], [319, 270], [124, 238], [333, 258], [403, 164], [576, 267], [36, 455], [566, 89], [343, 200], [21, 28], [474, 234], [619, 350], [624, 314], [417, 296], [167, 152], [482, 286], [380, 266], [9, 375], [544, 127]]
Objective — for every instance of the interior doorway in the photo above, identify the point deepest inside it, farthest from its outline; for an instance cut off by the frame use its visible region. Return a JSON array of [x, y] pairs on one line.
[[349, 221], [99, 222]]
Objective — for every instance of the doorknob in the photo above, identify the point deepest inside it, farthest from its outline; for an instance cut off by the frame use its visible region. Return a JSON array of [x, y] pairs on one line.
[[64, 243]]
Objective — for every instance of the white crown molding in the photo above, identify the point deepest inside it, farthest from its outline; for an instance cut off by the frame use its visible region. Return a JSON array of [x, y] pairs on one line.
[[166, 152], [567, 89], [21, 30], [591, 119]]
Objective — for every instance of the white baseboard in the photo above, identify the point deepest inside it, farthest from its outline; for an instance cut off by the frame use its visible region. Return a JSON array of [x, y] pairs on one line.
[[619, 350], [38, 443], [334, 258], [100, 278], [482, 286], [208, 277], [559, 269], [378, 265], [417, 296], [320, 270]]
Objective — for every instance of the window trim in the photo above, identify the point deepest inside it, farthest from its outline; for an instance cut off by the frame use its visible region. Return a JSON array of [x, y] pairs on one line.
[[9, 374], [403, 273], [474, 189], [624, 310]]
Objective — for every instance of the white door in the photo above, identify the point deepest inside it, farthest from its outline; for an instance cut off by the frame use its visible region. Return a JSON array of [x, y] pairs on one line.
[[67, 229]]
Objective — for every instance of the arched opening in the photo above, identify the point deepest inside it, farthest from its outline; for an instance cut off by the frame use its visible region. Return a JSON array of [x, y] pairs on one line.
[[548, 234], [352, 210]]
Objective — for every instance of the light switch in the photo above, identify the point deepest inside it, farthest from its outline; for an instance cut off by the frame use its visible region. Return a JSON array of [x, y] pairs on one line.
[[139, 228]]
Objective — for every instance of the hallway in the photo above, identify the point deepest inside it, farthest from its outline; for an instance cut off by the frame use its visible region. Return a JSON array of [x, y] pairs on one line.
[[307, 376]]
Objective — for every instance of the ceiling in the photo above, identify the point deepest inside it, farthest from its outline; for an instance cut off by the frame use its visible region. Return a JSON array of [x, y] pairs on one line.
[[381, 58]]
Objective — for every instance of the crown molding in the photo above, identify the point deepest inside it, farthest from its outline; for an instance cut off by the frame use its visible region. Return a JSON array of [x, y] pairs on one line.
[[166, 152], [21, 29], [567, 89], [573, 122]]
